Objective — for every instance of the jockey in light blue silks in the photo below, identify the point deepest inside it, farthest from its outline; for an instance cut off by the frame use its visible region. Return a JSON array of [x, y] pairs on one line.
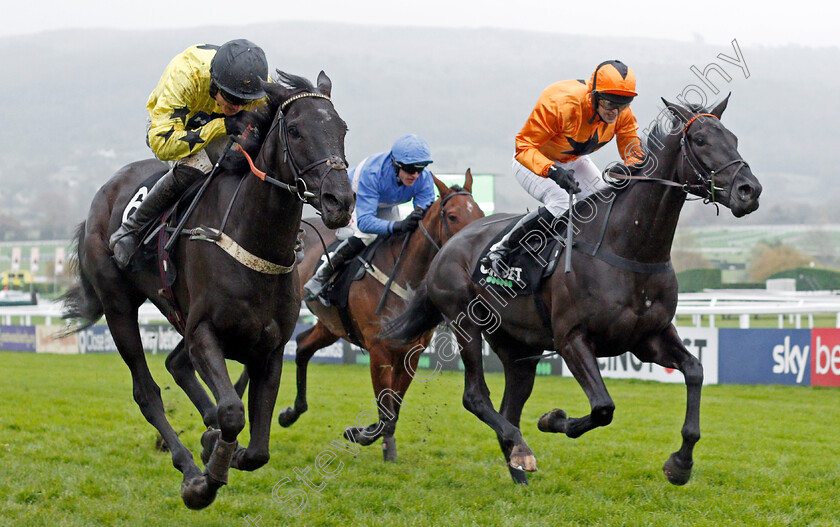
[[381, 181]]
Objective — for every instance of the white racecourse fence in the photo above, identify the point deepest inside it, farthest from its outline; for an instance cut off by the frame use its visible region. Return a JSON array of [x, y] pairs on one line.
[[799, 355]]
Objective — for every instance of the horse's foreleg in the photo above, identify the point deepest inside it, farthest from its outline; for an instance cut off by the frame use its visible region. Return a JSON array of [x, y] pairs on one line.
[[262, 395], [126, 334], [477, 399], [400, 381], [308, 342], [180, 366], [381, 373], [519, 382], [667, 350], [580, 358], [208, 359]]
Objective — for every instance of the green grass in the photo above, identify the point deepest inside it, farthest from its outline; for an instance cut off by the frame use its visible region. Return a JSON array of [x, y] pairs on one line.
[[75, 450]]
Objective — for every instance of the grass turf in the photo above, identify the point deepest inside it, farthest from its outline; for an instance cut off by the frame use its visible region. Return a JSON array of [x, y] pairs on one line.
[[75, 450]]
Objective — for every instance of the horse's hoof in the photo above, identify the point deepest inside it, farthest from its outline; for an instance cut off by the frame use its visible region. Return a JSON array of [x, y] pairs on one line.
[[553, 421], [520, 477], [287, 417], [357, 435], [677, 472], [389, 449], [208, 443], [522, 458], [197, 493]]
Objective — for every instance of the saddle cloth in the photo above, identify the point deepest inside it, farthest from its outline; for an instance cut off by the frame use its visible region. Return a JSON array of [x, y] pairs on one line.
[[527, 264]]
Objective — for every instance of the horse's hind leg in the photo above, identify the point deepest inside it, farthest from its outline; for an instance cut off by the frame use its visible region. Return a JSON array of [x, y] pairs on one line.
[[580, 358], [667, 350], [477, 399], [180, 366], [308, 342], [262, 394], [519, 382], [126, 334]]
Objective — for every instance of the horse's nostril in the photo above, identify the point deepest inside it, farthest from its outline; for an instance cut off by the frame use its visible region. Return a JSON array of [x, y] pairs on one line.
[[746, 192], [329, 201]]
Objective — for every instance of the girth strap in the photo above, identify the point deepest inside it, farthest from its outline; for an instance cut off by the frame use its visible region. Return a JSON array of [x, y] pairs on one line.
[[208, 234], [382, 278], [622, 263]]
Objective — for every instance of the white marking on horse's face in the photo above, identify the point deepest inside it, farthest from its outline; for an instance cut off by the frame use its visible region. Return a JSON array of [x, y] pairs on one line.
[[325, 114], [469, 206]]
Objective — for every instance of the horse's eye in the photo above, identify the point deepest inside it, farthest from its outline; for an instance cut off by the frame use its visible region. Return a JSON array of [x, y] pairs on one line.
[[699, 141], [294, 132], [453, 219]]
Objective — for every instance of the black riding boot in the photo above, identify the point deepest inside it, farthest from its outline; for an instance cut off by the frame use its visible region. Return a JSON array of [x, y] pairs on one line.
[[345, 251], [165, 193], [527, 223]]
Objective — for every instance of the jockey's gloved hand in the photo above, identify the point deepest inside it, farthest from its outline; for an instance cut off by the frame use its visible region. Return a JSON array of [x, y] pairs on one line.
[[409, 223], [242, 123], [564, 178]]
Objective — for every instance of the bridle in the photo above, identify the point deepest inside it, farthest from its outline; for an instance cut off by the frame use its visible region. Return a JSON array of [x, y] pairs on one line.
[[705, 188], [298, 186], [705, 176], [444, 223]]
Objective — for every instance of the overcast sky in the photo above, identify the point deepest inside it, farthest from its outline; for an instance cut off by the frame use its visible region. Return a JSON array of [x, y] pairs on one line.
[[804, 22]]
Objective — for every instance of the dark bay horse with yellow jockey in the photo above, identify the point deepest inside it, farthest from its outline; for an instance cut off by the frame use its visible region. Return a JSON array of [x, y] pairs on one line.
[[237, 284], [392, 367], [620, 294]]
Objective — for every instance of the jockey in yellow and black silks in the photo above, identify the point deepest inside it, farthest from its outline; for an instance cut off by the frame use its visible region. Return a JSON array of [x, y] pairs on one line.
[[205, 94], [571, 120]]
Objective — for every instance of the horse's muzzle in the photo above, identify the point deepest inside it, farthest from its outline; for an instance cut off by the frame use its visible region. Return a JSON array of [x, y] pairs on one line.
[[744, 198], [337, 200]]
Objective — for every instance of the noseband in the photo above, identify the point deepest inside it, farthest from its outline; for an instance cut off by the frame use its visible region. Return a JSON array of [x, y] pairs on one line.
[[298, 186]]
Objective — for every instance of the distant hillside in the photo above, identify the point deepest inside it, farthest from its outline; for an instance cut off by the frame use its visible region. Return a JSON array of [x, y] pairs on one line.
[[73, 104]]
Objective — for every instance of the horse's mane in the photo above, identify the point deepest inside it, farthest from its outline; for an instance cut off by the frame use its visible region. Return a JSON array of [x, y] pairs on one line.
[[262, 118], [660, 131]]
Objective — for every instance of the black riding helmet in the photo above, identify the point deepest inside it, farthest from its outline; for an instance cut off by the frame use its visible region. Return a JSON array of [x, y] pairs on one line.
[[238, 68]]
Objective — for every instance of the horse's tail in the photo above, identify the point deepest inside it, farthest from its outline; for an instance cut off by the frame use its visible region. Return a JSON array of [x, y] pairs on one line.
[[80, 301], [420, 316]]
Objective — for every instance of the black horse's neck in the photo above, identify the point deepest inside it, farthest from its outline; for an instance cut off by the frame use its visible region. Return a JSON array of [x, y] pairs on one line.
[[644, 217]]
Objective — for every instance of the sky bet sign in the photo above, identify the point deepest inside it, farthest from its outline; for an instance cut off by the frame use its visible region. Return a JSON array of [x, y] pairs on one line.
[[765, 356]]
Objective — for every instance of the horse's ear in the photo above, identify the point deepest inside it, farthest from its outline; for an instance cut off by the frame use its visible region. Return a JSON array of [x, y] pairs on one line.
[[679, 112], [468, 181], [324, 84], [276, 91], [717, 111], [441, 186]]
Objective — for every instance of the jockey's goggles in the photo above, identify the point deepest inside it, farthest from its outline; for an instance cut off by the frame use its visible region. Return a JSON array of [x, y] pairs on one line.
[[233, 99], [411, 169], [610, 106]]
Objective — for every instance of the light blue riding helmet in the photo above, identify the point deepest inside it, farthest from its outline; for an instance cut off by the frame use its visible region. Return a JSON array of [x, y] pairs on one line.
[[411, 149]]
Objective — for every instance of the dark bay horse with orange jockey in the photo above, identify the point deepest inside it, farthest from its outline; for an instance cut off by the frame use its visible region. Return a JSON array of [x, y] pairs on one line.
[[242, 305], [391, 366], [620, 294]]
